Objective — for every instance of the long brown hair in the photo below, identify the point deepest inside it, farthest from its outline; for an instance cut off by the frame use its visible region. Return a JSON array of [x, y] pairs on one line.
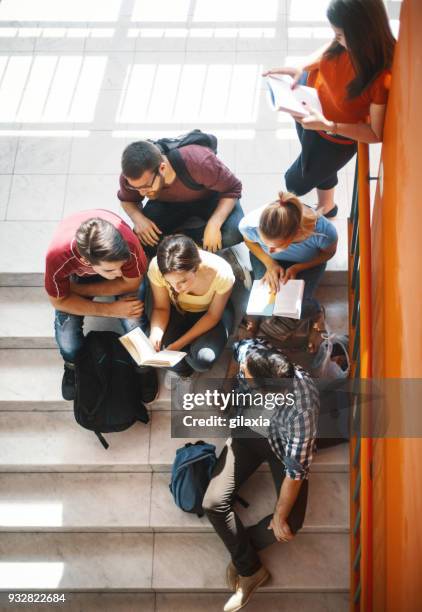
[[177, 253], [369, 39], [286, 218]]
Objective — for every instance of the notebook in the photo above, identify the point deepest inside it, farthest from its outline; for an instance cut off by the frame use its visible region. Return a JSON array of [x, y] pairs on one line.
[[284, 98], [287, 302], [140, 348]]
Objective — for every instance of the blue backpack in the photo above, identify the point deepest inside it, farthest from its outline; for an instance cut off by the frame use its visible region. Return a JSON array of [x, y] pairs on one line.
[[191, 474]]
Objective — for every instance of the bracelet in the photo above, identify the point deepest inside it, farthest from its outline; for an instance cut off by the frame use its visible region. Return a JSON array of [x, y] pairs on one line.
[[334, 130]]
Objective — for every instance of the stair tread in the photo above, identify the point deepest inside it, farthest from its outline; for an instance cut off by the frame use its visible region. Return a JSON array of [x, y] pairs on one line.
[[53, 441], [98, 501], [164, 562], [16, 235]]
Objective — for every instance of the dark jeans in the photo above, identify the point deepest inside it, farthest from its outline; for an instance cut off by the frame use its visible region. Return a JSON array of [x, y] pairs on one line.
[[318, 162], [239, 459], [312, 278], [170, 216], [203, 352]]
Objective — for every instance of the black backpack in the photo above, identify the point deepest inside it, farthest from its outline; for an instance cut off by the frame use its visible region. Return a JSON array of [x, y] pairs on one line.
[[108, 389], [170, 147]]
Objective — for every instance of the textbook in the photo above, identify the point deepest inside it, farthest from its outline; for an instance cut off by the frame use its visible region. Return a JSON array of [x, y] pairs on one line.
[[287, 302], [140, 348], [284, 98]]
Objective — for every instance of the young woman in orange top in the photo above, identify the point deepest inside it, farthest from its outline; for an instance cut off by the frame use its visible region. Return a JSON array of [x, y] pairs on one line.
[[351, 76]]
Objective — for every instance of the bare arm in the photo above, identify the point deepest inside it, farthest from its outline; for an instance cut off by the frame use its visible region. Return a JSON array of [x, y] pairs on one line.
[[212, 234], [160, 315], [127, 307], [205, 323], [117, 286], [146, 230], [361, 132], [364, 132]]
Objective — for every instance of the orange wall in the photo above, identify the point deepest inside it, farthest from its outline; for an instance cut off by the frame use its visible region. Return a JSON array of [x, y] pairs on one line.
[[397, 327]]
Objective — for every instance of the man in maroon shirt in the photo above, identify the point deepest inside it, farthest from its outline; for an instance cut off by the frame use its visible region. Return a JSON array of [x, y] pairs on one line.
[[93, 253], [147, 173]]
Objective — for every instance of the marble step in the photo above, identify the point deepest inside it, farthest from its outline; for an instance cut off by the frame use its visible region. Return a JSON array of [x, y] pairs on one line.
[[21, 265], [26, 316], [32, 380], [164, 562], [192, 602], [34, 502], [54, 442]]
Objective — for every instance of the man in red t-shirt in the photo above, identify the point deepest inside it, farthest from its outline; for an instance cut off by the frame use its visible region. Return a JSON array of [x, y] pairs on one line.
[[213, 195], [93, 253]]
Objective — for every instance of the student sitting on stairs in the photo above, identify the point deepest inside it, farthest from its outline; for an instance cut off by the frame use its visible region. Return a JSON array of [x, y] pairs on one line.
[[286, 444], [191, 309], [94, 253]]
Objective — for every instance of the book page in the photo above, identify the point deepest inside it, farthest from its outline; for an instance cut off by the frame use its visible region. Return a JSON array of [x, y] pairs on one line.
[[261, 300], [166, 358], [284, 98], [138, 345], [288, 302]]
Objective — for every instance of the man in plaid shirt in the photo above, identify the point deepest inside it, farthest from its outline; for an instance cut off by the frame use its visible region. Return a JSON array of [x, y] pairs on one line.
[[287, 444]]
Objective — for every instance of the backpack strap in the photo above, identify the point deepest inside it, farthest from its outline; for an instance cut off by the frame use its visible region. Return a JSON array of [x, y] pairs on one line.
[[102, 439], [176, 160]]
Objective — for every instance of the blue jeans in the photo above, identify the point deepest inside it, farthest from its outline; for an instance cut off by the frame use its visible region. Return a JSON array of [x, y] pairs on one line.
[[68, 328], [170, 216], [311, 276]]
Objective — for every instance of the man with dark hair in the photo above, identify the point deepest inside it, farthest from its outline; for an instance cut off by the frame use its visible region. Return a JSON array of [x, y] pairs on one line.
[[94, 253], [147, 173]]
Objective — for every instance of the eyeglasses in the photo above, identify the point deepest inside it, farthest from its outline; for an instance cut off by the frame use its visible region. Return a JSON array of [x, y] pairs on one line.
[[143, 187]]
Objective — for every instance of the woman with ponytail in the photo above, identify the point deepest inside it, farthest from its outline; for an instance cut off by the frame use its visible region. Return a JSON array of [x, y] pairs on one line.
[[191, 311], [351, 75], [288, 240]]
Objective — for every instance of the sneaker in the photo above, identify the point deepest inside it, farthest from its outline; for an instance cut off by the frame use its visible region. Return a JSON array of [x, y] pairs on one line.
[[149, 383], [246, 586], [68, 382], [239, 270], [168, 377]]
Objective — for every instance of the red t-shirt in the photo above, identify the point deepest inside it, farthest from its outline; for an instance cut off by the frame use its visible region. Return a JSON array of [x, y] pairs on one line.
[[205, 168], [63, 259]]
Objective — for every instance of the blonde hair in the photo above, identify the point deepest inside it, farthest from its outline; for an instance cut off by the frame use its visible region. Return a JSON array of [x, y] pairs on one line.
[[287, 217]]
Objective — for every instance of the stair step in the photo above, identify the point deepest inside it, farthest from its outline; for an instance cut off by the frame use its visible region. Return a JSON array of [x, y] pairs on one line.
[[99, 502], [21, 264], [53, 441], [310, 562], [272, 602], [42, 371], [192, 562], [192, 602]]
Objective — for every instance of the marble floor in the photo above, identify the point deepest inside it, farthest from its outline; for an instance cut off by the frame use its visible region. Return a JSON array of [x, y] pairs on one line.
[[80, 80]]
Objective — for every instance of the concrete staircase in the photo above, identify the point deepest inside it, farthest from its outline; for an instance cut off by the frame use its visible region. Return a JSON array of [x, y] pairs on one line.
[[77, 518]]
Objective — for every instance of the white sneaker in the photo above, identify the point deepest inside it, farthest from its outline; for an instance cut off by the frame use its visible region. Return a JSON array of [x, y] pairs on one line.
[[168, 377]]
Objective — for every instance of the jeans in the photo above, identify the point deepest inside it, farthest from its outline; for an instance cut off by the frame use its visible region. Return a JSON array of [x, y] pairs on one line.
[[311, 276], [69, 327], [203, 352], [239, 459], [318, 162], [170, 216]]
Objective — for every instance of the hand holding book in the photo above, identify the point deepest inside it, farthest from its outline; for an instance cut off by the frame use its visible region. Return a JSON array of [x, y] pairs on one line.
[[143, 352]]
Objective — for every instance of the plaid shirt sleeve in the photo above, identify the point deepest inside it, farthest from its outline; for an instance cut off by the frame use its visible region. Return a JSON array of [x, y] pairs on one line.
[[292, 436]]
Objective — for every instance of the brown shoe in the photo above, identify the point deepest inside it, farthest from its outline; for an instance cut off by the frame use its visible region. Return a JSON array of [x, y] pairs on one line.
[[232, 576], [246, 587]]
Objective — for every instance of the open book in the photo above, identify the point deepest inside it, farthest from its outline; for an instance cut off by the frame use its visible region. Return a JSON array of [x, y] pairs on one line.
[[287, 302], [284, 98], [142, 351]]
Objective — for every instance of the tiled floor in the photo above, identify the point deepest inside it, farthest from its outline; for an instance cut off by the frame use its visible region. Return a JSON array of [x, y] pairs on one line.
[[80, 80]]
